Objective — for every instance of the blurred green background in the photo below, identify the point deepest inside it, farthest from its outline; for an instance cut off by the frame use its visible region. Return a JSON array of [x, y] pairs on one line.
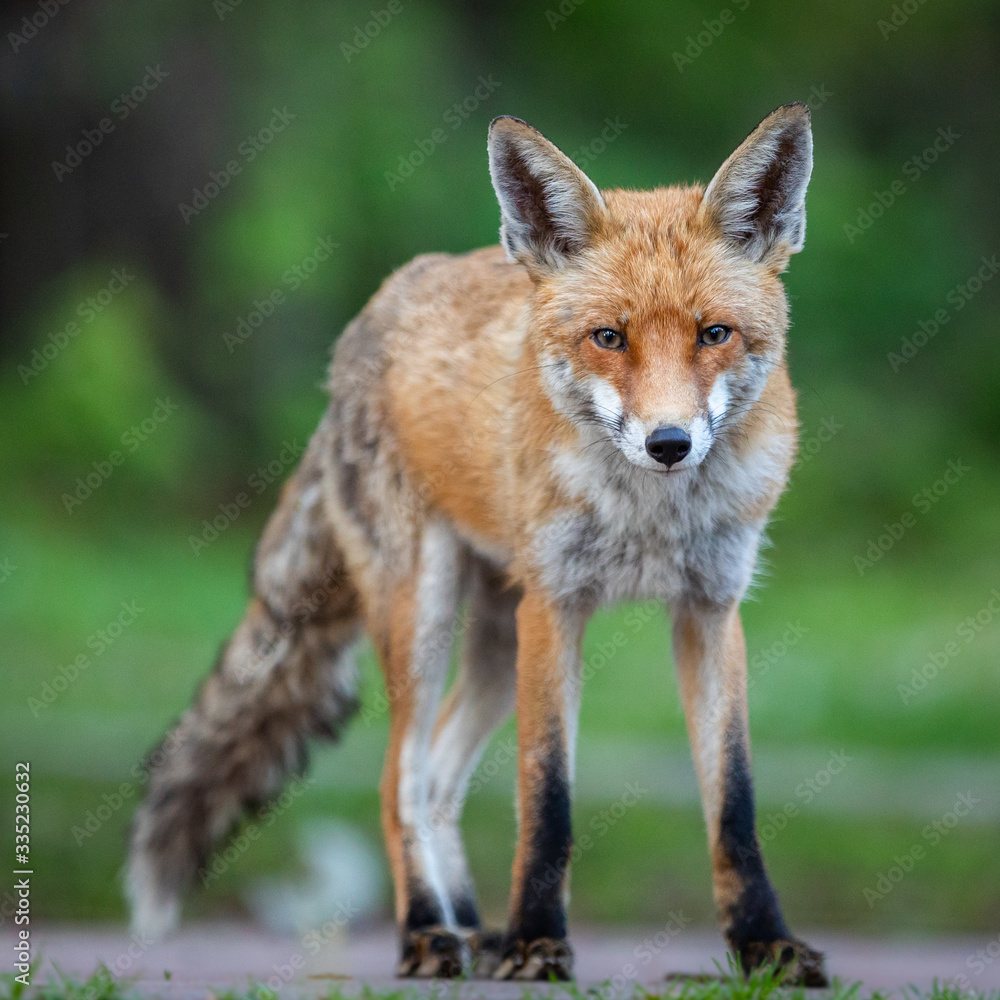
[[173, 393]]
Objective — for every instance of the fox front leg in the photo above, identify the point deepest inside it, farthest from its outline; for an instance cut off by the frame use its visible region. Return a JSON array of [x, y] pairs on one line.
[[710, 653], [547, 703]]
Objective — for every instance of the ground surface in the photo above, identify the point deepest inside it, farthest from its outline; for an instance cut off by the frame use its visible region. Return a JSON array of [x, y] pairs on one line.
[[215, 958]]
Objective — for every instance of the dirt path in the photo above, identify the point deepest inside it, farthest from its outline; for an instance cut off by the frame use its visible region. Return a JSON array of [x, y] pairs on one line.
[[228, 955]]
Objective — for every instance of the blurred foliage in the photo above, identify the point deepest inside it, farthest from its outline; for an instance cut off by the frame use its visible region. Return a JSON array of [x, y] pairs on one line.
[[878, 102], [873, 437]]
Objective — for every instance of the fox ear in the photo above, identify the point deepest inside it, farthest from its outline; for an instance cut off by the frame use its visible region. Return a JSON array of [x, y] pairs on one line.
[[757, 198], [549, 208]]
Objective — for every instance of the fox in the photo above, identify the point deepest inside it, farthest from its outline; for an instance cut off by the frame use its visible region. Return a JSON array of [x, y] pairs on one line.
[[597, 410]]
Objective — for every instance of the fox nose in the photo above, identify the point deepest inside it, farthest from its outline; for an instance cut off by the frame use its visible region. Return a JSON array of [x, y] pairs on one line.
[[668, 445]]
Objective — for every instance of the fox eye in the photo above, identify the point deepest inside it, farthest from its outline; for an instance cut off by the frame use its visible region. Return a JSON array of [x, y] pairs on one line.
[[712, 336], [610, 340]]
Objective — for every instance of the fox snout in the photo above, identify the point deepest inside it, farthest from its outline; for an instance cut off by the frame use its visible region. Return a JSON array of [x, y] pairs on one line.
[[668, 442], [668, 445]]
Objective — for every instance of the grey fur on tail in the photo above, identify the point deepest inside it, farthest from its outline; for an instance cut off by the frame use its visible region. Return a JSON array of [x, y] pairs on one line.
[[286, 675]]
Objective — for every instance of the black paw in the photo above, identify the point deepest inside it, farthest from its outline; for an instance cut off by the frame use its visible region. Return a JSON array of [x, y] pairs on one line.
[[542, 959], [433, 953], [800, 965]]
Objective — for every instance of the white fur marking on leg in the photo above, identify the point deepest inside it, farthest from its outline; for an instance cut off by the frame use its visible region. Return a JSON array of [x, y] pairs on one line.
[[437, 598]]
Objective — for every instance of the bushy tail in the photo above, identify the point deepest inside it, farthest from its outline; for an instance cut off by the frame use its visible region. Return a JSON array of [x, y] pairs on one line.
[[285, 676]]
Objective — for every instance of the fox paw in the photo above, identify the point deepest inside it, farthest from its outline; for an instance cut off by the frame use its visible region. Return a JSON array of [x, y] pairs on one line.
[[799, 964], [542, 959], [433, 953], [487, 953]]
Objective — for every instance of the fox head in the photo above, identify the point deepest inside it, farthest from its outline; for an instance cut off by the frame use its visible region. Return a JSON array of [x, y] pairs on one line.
[[658, 315]]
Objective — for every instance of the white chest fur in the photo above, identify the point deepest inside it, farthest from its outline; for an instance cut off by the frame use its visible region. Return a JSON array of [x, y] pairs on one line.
[[628, 533]]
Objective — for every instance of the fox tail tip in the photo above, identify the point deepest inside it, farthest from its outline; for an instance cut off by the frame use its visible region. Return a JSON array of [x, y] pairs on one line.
[[155, 909]]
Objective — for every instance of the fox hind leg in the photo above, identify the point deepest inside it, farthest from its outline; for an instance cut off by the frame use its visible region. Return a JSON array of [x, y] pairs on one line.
[[413, 636], [480, 700]]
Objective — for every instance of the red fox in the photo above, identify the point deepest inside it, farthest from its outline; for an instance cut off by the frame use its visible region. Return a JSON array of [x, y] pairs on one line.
[[597, 410]]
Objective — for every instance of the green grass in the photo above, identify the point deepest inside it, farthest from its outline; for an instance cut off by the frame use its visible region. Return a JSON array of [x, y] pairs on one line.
[[728, 984], [58, 985]]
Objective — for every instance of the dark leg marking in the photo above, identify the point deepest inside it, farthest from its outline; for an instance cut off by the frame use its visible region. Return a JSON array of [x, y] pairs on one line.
[[541, 912], [424, 909], [466, 914], [754, 914], [535, 946], [751, 917]]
